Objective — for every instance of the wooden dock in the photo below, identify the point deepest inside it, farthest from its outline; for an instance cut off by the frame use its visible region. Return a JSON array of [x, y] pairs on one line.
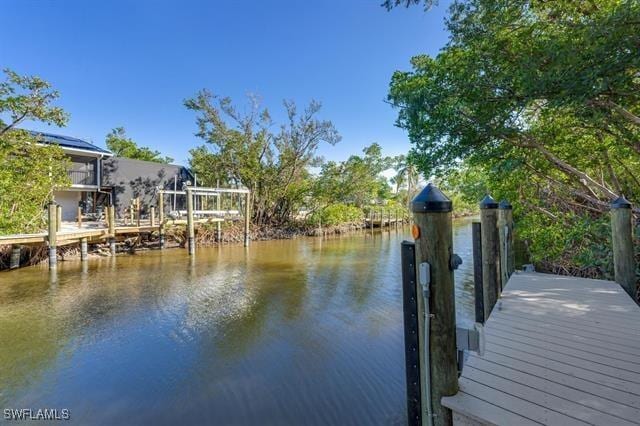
[[558, 351]]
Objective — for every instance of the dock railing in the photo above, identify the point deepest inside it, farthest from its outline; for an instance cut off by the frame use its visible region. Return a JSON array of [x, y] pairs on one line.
[[432, 341]]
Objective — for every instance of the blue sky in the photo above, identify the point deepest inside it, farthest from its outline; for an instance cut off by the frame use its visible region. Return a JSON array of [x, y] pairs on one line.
[[132, 63]]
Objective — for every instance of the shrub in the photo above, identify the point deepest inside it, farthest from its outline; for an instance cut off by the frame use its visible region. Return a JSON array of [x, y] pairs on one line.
[[336, 214]]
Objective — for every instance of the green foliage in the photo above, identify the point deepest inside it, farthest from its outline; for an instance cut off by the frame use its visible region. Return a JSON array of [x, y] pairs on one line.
[[537, 102], [30, 172], [123, 146], [357, 181], [390, 4], [336, 214], [242, 150]]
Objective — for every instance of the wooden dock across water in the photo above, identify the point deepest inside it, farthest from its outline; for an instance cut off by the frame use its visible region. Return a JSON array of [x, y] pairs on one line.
[[558, 351]]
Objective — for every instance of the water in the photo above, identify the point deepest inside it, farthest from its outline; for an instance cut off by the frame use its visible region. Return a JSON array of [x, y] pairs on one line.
[[305, 331]]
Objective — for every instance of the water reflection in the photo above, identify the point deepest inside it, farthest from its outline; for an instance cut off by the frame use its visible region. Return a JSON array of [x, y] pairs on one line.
[[302, 331]]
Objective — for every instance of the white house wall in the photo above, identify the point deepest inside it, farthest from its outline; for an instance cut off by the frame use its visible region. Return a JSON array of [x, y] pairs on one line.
[[69, 201]]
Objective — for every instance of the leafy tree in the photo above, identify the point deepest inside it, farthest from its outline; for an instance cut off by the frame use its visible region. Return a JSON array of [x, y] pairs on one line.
[[123, 146], [357, 181], [242, 150], [30, 171], [539, 99], [406, 174]]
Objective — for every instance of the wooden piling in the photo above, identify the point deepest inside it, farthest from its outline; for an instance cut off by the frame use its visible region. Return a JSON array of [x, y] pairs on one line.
[[247, 219], [434, 246], [476, 239], [131, 213], [52, 239], [622, 240], [84, 249], [371, 219], [112, 229], [161, 217], [505, 213], [58, 217], [152, 216], [79, 217], [218, 224], [15, 257], [138, 211], [191, 238], [490, 255]]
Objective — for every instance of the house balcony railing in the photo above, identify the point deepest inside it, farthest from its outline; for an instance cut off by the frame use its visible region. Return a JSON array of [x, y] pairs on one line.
[[82, 177]]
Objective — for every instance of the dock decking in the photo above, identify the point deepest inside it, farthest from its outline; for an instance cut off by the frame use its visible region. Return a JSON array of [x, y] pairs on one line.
[[558, 351]]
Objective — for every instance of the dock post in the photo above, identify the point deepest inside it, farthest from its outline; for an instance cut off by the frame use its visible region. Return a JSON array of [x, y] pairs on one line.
[[15, 257], [161, 217], [247, 219], [476, 239], [371, 219], [152, 216], [79, 217], [505, 213], [490, 255], [112, 229], [131, 213], [622, 240], [437, 314], [84, 251], [58, 217], [138, 210], [53, 228], [218, 224], [191, 239]]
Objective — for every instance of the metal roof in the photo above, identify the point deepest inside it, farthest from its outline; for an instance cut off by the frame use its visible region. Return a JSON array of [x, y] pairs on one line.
[[67, 141]]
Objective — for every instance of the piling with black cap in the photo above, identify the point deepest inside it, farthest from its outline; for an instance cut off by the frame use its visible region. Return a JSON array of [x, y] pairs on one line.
[[433, 235], [622, 240], [505, 225], [490, 254], [476, 240]]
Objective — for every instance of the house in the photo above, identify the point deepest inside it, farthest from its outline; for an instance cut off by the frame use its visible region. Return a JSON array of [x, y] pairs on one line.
[[98, 178], [84, 172], [126, 179]]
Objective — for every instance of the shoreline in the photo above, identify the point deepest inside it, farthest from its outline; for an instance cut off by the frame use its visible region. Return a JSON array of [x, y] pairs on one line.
[[205, 237]]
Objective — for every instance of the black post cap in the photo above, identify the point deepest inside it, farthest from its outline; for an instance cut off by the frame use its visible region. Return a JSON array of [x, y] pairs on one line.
[[505, 205], [620, 203], [431, 199], [488, 203]]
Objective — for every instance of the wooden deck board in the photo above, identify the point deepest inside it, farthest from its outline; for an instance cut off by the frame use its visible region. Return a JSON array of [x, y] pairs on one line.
[[585, 352], [562, 389], [551, 323], [559, 350]]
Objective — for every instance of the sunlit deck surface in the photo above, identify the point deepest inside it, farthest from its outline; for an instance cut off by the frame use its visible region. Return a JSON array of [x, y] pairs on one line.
[[559, 351], [70, 232]]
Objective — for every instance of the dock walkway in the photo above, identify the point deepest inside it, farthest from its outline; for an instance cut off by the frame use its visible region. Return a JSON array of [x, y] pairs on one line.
[[558, 351]]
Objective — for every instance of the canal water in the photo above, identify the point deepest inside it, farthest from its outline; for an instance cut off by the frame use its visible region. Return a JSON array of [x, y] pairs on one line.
[[303, 331]]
